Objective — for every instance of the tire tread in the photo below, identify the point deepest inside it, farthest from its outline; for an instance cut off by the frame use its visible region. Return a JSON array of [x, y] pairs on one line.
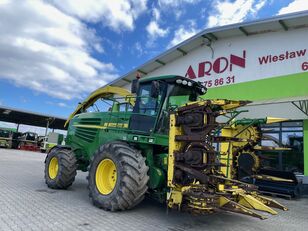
[[133, 180], [67, 168]]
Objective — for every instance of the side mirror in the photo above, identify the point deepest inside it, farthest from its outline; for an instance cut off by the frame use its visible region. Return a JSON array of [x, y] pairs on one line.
[[154, 89], [135, 86]]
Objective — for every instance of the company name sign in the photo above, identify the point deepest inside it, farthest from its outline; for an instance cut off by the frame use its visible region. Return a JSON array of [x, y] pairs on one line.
[[244, 58], [218, 66], [221, 65]]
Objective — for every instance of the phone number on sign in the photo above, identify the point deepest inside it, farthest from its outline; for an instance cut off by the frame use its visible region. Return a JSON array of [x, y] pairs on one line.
[[219, 81], [305, 66]]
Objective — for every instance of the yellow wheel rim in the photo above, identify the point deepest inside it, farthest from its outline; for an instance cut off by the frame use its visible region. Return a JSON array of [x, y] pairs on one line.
[[53, 168], [106, 176]]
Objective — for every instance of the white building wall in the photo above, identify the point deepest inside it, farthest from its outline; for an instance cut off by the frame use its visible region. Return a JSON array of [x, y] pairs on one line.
[[287, 51]]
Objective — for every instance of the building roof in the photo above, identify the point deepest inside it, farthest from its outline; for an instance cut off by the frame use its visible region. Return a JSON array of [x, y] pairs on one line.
[[278, 23], [30, 118]]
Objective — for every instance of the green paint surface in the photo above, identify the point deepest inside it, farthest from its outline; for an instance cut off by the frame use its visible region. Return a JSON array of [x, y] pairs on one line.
[[265, 89], [306, 147]]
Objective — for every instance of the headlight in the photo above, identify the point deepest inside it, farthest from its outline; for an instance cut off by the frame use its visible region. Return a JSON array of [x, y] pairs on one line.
[[189, 84], [178, 81], [184, 82]]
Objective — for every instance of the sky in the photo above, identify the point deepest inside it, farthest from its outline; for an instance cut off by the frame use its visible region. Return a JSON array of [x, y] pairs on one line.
[[54, 53]]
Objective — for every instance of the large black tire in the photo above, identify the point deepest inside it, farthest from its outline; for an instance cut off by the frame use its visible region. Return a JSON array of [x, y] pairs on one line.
[[67, 168], [131, 181]]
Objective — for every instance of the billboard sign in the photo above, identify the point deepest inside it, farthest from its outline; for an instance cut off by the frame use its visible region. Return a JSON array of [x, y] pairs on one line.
[[242, 59]]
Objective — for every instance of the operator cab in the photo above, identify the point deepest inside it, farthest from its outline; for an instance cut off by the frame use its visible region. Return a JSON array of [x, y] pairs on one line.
[[156, 97]]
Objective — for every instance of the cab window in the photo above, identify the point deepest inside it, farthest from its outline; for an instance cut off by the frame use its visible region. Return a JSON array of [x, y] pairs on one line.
[[145, 104]]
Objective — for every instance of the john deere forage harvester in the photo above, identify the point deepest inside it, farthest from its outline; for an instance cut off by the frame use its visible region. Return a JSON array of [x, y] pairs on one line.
[[161, 142]]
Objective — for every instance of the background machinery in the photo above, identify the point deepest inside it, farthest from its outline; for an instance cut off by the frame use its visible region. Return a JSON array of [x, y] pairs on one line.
[[244, 160], [6, 137], [160, 142], [51, 140], [29, 141]]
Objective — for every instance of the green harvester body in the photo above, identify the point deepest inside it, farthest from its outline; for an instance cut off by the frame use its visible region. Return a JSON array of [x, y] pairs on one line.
[[88, 131]]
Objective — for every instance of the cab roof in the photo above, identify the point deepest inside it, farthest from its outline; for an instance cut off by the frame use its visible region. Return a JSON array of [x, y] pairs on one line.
[[163, 77]]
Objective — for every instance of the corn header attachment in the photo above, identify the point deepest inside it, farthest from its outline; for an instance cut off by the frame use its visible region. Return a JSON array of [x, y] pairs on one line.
[[195, 177]]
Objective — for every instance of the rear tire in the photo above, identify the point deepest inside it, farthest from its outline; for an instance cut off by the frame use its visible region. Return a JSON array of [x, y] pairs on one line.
[[130, 185], [60, 168]]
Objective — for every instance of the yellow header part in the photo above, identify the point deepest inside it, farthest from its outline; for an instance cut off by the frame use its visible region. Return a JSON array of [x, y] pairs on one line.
[[104, 92]]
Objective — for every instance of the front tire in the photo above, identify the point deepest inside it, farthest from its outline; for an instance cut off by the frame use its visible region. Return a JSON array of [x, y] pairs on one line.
[[60, 168], [117, 177]]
